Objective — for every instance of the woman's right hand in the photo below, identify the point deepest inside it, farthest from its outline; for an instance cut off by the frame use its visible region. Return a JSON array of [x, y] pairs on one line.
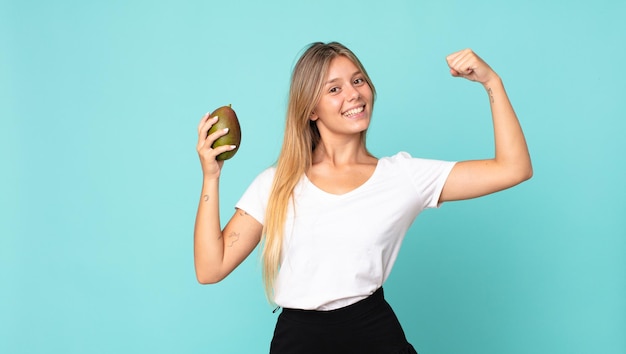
[[210, 166]]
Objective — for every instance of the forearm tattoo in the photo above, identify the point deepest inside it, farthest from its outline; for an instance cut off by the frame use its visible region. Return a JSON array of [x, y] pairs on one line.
[[205, 197], [490, 91]]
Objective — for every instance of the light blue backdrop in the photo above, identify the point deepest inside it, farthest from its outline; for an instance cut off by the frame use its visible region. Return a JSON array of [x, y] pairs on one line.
[[99, 103]]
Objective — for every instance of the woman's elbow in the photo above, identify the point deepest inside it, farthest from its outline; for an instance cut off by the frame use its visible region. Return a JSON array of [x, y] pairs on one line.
[[524, 174], [529, 173], [206, 279], [528, 170]]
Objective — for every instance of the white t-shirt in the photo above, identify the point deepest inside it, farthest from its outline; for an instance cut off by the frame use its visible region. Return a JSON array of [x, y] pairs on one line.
[[338, 249]]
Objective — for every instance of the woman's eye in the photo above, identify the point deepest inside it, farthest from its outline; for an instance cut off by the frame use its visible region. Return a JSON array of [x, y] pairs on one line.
[[358, 81], [334, 89]]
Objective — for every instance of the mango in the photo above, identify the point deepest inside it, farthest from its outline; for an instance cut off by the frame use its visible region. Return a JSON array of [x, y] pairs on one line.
[[227, 118]]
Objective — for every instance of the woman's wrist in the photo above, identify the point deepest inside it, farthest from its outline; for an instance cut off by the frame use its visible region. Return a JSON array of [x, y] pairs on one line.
[[492, 82]]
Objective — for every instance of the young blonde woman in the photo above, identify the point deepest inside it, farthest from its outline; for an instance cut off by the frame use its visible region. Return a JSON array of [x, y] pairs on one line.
[[330, 216]]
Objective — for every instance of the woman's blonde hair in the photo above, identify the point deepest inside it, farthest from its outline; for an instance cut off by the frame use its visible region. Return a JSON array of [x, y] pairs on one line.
[[300, 139]]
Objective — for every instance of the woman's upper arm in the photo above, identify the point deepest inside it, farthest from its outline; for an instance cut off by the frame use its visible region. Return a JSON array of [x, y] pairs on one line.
[[476, 178], [241, 235]]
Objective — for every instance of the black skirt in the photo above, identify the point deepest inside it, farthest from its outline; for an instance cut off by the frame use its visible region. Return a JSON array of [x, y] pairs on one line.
[[367, 327]]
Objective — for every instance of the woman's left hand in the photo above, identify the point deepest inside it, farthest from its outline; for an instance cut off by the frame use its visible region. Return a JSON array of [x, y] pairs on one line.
[[469, 65]]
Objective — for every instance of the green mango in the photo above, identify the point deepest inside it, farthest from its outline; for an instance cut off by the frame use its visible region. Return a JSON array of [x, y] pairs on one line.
[[227, 118]]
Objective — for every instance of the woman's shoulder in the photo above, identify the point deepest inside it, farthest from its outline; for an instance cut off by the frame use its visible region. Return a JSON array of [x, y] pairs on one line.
[[268, 172], [400, 155], [406, 156], [397, 158], [405, 160], [263, 179], [266, 175]]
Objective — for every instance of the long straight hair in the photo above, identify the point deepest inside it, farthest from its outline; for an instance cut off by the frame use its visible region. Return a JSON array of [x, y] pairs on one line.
[[300, 139]]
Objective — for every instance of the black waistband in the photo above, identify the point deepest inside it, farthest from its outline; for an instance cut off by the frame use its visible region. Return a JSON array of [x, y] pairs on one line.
[[347, 313]]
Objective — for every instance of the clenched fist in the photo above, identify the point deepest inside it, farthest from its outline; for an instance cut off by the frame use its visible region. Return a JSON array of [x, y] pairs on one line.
[[467, 64]]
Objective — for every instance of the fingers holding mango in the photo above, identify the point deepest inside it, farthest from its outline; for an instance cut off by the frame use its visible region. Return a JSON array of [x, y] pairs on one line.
[[219, 136], [218, 129], [203, 127], [228, 124]]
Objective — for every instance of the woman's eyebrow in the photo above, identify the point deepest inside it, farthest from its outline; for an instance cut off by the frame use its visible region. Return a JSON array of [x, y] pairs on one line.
[[358, 72]]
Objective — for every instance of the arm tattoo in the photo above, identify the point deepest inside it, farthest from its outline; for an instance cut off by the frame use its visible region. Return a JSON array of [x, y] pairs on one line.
[[233, 237], [242, 213], [490, 91], [205, 197]]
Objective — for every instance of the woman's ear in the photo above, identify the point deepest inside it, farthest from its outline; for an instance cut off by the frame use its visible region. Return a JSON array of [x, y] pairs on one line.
[[313, 116]]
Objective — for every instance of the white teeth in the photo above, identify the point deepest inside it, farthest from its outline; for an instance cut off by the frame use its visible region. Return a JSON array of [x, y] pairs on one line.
[[353, 111]]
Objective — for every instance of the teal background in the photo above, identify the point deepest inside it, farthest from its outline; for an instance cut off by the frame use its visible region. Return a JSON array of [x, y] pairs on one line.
[[99, 103]]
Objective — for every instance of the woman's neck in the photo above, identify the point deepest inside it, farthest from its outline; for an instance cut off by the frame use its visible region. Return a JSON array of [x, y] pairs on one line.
[[341, 153]]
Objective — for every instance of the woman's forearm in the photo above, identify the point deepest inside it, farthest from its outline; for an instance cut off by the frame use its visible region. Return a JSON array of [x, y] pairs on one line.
[[208, 238], [511, 151]]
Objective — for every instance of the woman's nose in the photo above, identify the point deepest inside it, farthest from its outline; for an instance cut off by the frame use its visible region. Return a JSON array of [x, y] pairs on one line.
[[352, 93]]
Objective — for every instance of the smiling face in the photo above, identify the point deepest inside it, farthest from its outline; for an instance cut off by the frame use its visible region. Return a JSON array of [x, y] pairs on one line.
[[345, 106]]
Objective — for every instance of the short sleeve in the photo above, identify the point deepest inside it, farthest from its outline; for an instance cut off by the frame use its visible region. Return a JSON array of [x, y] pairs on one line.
[[254, 199], [427, 175]]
